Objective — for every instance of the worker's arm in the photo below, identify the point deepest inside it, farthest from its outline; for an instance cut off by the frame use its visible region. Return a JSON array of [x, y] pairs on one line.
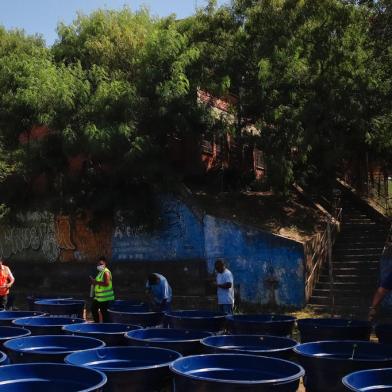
[[379, 296], [377, 299], [225, 286], [105, 282], [11, 279]]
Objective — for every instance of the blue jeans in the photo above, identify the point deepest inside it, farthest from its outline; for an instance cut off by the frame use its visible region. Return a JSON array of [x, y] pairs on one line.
[[226, 308]]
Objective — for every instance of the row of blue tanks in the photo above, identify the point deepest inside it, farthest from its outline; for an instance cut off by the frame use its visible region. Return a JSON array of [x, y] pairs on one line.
[[51, 347]]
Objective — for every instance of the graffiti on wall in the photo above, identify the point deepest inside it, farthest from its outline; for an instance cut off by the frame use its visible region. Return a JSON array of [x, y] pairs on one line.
[[180, 236], [44, 236], [88, 244], [35, 231]]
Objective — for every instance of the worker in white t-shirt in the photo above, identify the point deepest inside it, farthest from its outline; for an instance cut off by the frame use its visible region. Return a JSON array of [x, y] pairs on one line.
[[225, 287]]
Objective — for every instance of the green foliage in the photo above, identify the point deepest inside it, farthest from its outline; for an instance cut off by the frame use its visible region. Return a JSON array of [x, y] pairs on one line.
[[118, 86]]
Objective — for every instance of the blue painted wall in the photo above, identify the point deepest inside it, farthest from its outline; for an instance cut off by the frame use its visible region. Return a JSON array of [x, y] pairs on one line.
[[253, 256], [180, 237]]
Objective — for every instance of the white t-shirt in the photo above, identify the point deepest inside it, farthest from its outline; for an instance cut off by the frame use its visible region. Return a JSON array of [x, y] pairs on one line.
[[225, 296]]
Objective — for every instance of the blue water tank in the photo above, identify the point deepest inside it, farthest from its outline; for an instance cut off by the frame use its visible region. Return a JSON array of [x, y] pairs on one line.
[[7, 317], [50, 377], [315, 329], [260, 324], [113, 334], [327, 362], [376, 380], [136, 369], [181, 340], [235, 372], [268, 346], [46, 325], [47, 348], [61, 307], [199, 320], [8, 333], [145, 319]]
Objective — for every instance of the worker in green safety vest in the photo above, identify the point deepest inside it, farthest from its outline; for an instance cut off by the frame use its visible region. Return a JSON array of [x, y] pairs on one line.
[[103, 291]]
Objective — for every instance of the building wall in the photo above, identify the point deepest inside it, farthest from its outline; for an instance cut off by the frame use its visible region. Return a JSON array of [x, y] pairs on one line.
[[180, 236], [269, 269]]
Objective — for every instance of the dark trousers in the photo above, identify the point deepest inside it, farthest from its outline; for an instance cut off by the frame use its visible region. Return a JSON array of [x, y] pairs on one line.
[[102, 307], [3, 302]]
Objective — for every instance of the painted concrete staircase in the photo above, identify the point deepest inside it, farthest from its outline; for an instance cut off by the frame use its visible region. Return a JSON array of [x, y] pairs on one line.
[[355, 258]]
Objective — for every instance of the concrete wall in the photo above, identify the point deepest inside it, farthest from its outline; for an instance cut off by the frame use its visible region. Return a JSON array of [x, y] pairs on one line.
[[36, 236], [180, 236], [269, 269]]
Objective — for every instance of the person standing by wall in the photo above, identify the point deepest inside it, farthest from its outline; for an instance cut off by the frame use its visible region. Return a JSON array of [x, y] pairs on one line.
[[383, 289], [158, 287], [6, 282], [103, 291], [225, 287]]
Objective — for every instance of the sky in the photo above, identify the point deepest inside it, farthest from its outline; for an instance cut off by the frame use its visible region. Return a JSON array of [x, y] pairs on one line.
[[42, 16]]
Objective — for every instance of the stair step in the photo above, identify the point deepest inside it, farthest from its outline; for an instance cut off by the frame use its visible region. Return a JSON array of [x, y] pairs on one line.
[[355, 263], [354, 270], [351, 278], [359, 245], [345, 286], [363, 231], [357, 251], [356, 258], [352, 292], [360, 263], [361, 267], [341, 300], [351, 312]]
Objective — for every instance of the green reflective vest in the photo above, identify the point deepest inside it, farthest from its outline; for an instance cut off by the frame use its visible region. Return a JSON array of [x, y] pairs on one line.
[[104, 293]]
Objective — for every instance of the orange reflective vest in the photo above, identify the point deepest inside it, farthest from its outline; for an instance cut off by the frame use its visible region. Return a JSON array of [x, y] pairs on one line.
[[4, 278]]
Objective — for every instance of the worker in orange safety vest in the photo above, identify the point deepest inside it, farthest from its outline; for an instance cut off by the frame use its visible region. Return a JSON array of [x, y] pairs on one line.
[[6, 281]]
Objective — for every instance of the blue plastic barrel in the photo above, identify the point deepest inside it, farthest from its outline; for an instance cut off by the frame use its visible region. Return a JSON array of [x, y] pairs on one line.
[[49, 377], [199, 320], [268, 346], [7, 333], [46, 325], [3, 359], [181, 340], [31, 299], [110, 333], [61, 307], [136, 369], [260, 324], [326, 363], [375, 380], [315, 329], [384, 333], [145, 319], [7, 317], [124, 305], [48, 348], [235, 372]]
